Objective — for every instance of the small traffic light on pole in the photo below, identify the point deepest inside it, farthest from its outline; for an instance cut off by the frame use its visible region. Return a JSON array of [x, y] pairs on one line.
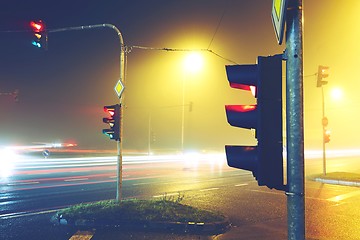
[[322, 73], [114, 122], [326, 132], [265, 160], [39, 32]]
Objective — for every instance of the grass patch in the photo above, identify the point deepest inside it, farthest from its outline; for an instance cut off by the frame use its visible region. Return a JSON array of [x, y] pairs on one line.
[[139, 210]]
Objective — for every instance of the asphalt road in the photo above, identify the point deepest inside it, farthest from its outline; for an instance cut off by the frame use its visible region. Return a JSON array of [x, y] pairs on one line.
[[205, 181]]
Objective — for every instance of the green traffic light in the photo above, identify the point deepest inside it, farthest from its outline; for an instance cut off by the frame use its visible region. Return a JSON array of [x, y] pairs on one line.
[[36, 44]]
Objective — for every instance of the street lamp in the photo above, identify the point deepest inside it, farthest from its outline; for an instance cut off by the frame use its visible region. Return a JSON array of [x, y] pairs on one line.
[[337, 93], [193, 63]]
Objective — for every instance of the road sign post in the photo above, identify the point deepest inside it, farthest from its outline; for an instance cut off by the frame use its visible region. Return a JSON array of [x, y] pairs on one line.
[[295, 121]]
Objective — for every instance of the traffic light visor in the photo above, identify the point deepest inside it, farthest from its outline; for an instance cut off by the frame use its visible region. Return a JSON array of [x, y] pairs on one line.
[[244, 116], [243, 157], [110, 109], [242, 74]]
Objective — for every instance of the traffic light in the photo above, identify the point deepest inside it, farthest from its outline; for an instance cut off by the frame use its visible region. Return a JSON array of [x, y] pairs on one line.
[[326, 135], [113, 120], [39, 32], [322, 73], [264, 80]]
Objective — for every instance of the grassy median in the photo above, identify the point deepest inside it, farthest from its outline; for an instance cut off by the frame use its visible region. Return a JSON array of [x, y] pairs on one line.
[[139, 210]]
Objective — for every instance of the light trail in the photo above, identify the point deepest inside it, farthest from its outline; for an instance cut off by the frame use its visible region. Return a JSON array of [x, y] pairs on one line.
[[28, 172], [39, 163], [335, 153]]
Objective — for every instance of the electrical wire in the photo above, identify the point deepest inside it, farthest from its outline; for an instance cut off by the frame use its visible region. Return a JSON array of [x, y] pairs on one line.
[[219, 23], [181, 50]]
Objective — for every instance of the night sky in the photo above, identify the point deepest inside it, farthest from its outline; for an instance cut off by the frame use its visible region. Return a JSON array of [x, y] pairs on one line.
[[62, 91]]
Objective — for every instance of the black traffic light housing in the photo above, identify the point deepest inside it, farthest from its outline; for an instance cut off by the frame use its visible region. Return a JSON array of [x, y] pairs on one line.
[[39, 33], [265, 160], [322, 73], [113, 120]]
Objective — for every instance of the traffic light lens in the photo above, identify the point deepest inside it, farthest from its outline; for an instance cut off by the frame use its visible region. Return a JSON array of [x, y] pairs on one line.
[[241, 108], [109, 110], [36, 26], [38, 35], [253, 90], [36, 44]]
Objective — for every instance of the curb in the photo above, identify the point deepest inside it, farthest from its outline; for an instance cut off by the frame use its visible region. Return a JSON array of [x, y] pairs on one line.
[[187, 227], [338, 182]]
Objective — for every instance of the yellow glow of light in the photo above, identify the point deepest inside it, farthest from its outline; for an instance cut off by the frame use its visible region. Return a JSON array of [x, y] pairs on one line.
[[193, 62], [337, 93]]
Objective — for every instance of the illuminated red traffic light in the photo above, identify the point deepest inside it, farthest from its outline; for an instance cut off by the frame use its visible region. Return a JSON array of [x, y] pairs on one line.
[[37, 26], [111, 111]]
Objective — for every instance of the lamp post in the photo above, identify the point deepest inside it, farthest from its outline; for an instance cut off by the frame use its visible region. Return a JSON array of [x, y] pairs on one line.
[[324, 124], [193, 63], [183, 116]]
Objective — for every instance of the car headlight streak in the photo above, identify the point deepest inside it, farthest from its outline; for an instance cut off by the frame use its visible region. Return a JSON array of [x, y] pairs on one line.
[[7, 162]]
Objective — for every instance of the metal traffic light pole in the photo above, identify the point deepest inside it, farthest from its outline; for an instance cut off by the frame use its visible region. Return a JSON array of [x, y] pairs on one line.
[[120, 95], [295, 121], [323, 130]]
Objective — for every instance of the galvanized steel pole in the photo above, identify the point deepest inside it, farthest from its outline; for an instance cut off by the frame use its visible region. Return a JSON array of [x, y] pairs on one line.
[[323, 131], [295, 121], [121, 98]]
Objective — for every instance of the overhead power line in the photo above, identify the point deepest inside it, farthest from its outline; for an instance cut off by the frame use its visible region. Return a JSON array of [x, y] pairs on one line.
[[181, 50], [219, 23]]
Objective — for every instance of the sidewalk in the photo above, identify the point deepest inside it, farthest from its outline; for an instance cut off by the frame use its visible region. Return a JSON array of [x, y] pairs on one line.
[[34, 226], [339, 178]]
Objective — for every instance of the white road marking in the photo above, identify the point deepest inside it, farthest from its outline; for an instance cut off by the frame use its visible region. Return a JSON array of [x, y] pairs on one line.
[[208, 189], [166, 195], [76, 179], [241, 185], [269, 192], [342, 197]]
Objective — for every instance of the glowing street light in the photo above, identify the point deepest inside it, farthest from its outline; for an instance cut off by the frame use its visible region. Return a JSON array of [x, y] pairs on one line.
[[193, 63], [337, 93]]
